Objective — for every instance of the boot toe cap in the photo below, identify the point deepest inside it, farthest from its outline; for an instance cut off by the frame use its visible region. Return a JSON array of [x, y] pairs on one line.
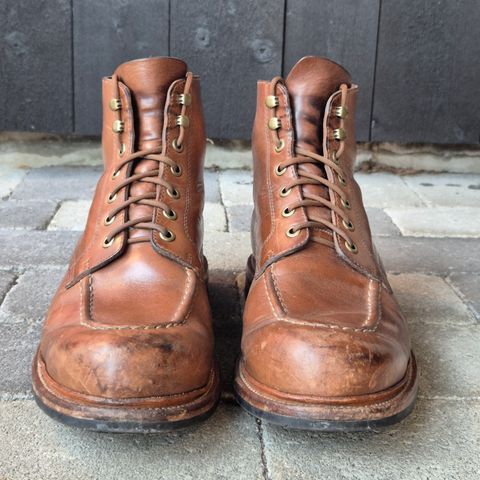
[[128, 363], [317, 361]]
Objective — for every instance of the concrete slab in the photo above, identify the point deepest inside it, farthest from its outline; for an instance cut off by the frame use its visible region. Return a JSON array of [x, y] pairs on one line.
[[446, 190], [437, 222], [214, 217], [36, 447], [467, 285], [239, 218], [429, 299], [26, 214], [9, 179], [72, 215], [383, 190], [439, 440], [236, 187]]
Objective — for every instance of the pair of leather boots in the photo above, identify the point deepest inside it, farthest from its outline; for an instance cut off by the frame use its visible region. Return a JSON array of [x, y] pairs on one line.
[[127, 344]]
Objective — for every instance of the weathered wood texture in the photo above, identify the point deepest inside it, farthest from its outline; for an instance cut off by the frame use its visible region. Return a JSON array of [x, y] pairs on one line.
[[427, 86], [107, 33], [416, 62], [35, 65], [342, 30], [231, 44]]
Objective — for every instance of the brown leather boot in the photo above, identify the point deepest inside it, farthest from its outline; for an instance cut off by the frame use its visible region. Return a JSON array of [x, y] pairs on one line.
[[325, 346], [127, 344]]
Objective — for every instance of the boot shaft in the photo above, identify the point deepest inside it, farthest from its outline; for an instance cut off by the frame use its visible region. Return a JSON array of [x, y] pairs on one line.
[[313, 111], [151, 106]]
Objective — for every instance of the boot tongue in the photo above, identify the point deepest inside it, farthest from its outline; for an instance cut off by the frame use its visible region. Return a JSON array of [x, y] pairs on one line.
[[310, 84], [148, 80]]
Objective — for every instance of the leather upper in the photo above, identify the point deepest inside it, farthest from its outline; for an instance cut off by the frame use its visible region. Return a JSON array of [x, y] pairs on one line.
[[320, 319], [131, 318]]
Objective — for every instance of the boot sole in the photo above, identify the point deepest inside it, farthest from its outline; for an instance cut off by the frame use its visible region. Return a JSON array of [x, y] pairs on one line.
[[372, 412], [102, 415]]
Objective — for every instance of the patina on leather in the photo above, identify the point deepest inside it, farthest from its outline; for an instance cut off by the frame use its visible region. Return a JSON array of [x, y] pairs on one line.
[[131, 320], [321, 325]]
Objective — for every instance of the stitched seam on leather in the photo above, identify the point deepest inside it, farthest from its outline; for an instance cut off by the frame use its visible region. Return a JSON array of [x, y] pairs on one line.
[[176, 323], [187, 193], [277, 290], [46, 386], [269, 298], [344, 407]]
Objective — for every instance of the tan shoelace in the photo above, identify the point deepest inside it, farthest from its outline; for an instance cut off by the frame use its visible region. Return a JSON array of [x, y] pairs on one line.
[[150, 198], [309, 199]]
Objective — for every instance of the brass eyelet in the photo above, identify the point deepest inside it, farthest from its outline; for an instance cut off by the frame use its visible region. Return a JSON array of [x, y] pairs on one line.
[[280, 146], [274, 123], [182, 121], [122, 149], [171, 215], [280, 171], [184, 99], [342, 180], [173, 193], [176, 147], [272, 101], [176, 170], [108, 243], [169, 236], [284, 192], [351, 247], [111, 198], [341, 111], [348, 225], [346, 204], [108, 220], [115, 174], [115, 104], [118, 126], [339, 134], [286, 212], [291, 232]]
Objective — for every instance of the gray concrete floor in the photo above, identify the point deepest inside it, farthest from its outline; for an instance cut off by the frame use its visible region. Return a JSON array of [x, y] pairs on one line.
[[426, 228]]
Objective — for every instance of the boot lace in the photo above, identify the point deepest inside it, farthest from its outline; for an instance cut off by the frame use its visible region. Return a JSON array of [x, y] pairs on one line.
[[152, 176], [306, 177]]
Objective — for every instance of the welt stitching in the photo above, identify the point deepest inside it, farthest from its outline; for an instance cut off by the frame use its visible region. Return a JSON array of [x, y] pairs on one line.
[[277, 290]]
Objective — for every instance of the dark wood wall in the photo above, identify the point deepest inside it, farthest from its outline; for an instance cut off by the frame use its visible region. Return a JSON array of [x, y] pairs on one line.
[[417, 62]]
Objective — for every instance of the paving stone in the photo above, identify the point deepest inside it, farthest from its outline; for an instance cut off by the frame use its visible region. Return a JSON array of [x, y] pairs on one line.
[[429, 299], [36, 247], [437, 222], [448, 360], [212, 186], [18, 343], [446, 190], [29, 299], [468, 287], [227, 322], [25, 214], [72, 215], [35, 447], [58, 183], [239, 218], [381, 223], [214, 217], [382, 190], [227, 251], [429, 255], [28, 153], [236, 187], [7, 279], [439, 440], [236, 156], [9, 179]]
